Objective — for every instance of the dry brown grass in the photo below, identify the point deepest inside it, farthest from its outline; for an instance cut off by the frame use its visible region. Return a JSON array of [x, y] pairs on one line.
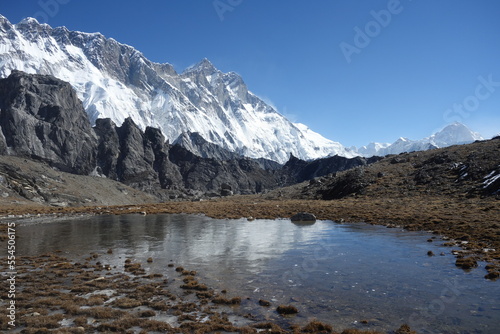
[[147, 314], [466, 263], [317, 327], [101, 312], [227, 301], [96, 300], [41, 296], [194, 285], [42, 321], [359, 331], [126, 303], [405, 329], [287, 309]]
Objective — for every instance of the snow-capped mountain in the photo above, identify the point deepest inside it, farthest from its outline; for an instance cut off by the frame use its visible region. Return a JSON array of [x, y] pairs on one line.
[[116, 81], [453, 134]]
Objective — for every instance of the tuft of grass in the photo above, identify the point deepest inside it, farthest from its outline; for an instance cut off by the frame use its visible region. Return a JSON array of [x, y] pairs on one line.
[[316, 326], [358, 331], [80, 321], [263, 302], [194, 285], [226, 301], [466, 263], [189, 278], [147, 314], [287, 309], [492, 275], [127, 303], [156, 326], [43, 321], [405, 329], [101, 312], [204, 294], [95, 300], [159, 306]]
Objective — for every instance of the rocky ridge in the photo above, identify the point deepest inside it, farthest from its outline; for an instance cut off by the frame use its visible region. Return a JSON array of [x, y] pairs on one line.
[[42, 119], [457, 172]]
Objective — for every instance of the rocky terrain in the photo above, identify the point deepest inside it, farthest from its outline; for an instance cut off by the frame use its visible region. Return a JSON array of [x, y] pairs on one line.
[[42, 119], [453, 192], [26, 183], [458, 172]]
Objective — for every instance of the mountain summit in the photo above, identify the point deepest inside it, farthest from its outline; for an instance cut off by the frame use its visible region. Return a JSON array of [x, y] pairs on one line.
[[116, 81], [452, 134]]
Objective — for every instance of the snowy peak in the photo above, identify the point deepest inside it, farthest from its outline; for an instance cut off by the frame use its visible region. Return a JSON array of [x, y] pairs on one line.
[[453, 134], [204, 66], [116, 81], [28, 21], [4, 24]]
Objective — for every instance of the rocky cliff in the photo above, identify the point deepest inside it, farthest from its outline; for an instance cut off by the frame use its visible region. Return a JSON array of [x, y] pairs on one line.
[[41, 118]]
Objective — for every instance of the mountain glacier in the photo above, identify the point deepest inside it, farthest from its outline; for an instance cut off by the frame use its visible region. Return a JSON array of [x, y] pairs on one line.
[[453, 134], [116, 81]]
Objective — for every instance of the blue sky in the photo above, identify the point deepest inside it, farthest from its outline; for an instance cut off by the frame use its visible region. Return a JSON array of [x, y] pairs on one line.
[[354, 71]]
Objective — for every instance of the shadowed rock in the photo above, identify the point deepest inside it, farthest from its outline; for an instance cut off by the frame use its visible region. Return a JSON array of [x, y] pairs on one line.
[[303, 217], [42, 118]]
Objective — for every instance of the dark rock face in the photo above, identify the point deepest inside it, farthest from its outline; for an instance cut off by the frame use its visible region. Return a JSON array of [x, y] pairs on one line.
[[240, 176], [136, 158], [42, 118], [352, 182], [296, 170], [196, 144], [168, 173], [3, 144]]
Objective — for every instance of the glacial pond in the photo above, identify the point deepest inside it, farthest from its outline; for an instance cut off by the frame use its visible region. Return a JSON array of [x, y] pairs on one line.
[[349, 275]]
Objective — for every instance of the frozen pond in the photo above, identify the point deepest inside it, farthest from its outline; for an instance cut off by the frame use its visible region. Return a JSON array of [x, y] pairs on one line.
[[349, 275]]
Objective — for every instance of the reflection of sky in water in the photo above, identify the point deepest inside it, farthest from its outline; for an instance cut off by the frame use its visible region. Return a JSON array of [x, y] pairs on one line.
[[340, 273]]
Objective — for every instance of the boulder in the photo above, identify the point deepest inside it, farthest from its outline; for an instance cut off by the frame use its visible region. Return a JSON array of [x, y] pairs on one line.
[[303, 217], [41, 117], [226, 192]]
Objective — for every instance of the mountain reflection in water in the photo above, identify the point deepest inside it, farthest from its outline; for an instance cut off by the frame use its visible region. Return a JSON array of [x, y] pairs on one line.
[[339, 273]]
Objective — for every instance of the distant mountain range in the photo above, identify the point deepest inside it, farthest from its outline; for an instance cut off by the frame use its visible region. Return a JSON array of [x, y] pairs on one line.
[[201, 109], [453, 134]]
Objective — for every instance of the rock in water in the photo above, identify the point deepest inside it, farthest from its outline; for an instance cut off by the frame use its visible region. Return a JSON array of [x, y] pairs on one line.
[[303, 217]]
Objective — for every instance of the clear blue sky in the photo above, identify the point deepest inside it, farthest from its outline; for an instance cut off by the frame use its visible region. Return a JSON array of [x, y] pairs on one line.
[[403, 79]]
